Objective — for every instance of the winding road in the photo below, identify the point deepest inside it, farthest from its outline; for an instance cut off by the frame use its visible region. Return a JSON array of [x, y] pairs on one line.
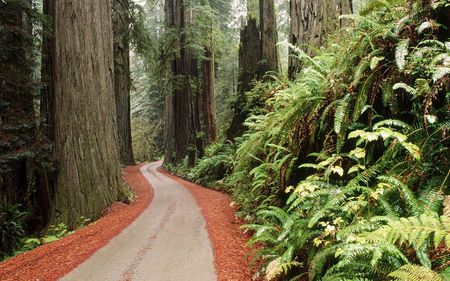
[[168, 242]]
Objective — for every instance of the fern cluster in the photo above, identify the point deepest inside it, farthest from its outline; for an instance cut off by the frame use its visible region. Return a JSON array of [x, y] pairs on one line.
[[344, 173]]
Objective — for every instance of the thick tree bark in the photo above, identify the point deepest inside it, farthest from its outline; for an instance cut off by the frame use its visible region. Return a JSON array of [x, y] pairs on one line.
[[47, 179], [258, 54], [311, 21], [250, 54], [181, 123], [208, 97], [197, 106], [85, 132], [122, 79], [269, 35]]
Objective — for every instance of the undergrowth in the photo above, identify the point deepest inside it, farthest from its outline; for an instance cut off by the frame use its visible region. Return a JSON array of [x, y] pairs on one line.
[[343, 174]]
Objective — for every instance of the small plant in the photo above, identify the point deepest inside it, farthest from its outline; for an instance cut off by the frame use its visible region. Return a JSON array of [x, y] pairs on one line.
[[55, 232], [12, 228]]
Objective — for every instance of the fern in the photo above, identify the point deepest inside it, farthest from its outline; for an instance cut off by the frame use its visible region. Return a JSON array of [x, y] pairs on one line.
[[401, 52], [410, 272], [414, 231]]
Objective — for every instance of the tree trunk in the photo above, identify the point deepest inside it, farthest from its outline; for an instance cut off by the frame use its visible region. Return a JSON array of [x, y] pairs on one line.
[[170, 68], [85, 132], [249, 70], [311, 21], [208, 97], [197, 111], [47, 179], [269, 35], [180, 109], [122, 79]]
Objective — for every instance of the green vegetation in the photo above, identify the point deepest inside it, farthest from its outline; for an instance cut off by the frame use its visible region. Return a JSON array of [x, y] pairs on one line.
[[13, 233], [343, 174]]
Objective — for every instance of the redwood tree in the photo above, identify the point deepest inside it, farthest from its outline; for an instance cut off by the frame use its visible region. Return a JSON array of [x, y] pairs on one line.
[[258, 54], [311, 22], [180, 116], [83, 112], [269, 35], [208, 96], [122, 79]]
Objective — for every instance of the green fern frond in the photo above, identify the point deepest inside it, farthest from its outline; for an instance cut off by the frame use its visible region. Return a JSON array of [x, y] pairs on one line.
[[401, 52], [415, 206], [391, 123], [341, 114], [410, 272], [414, 231]]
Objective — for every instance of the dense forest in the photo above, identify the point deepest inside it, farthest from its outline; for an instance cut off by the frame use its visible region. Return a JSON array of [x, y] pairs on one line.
[[328, 121]]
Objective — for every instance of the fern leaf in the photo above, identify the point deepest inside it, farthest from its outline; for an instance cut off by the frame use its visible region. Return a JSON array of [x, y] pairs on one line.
[[391, 123], [422, 87], [401, 52], [440, 72], [341, 114], [375, 61], [415, 231], [362, 67], [424, 26], [410, 272], [405, 87]]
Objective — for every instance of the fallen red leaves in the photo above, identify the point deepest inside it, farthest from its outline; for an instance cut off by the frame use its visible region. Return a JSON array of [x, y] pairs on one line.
[[231, 255], [54, 260]]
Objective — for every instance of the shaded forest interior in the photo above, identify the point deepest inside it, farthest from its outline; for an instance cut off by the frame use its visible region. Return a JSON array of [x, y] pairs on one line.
[[326, 120]]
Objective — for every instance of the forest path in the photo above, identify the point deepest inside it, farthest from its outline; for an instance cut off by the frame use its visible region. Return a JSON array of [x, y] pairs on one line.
[[167, 242]]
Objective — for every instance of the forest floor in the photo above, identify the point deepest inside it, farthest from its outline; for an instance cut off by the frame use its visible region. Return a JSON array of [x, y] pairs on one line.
[[187, 232]]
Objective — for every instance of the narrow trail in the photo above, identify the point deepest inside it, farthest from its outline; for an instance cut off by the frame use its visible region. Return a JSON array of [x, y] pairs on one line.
[[169, 241]]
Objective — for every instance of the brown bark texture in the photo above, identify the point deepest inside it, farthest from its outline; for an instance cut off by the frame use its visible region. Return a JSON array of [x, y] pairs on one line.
[[311, 21], [269, 35], [85, 132], [122, 78], [250, 69], [47, 179], [180, 122], [208, 97], [258, 54]]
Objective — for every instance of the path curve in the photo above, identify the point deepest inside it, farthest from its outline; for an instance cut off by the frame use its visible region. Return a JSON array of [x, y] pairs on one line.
[[167, 242]]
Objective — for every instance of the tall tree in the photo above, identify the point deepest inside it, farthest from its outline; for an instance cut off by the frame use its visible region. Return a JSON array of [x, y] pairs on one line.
[[180, 118], [269, 35], [208, 96], [311, 21], [206, 22], [83, 120], [122, 78], [46, 182], [257, 55], [249, 71]]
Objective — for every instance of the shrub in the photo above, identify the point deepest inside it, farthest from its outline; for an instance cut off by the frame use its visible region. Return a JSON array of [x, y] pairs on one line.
[[12, 229]]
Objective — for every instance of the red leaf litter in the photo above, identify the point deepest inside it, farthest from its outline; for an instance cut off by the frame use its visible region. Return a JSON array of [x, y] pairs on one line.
[[54, 260], [232, 257]]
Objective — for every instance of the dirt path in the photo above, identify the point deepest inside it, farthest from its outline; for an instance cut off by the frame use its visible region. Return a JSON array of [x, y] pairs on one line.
[[169, 241]]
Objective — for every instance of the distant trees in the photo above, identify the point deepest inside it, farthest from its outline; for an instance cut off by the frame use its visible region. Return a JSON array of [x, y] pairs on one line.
[[21, 147], [190, 98]]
